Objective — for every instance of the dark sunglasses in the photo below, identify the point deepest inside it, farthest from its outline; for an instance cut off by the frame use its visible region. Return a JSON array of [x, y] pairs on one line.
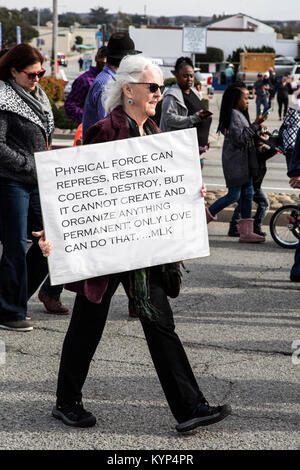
[[153, 87], [32, 75]]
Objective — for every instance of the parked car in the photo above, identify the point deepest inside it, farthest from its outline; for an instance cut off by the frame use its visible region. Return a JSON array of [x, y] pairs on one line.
[[284, 65], [62, 59], [206, 80], [295, 75]]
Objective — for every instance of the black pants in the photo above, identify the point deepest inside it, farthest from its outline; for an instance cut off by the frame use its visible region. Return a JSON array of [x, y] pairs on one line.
[[282, 102], [169, 358]]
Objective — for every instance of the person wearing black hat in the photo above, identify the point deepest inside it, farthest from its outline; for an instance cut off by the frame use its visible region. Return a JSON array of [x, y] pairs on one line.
[[119, 45]]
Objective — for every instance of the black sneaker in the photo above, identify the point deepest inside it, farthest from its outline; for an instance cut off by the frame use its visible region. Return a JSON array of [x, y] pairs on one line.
[[74, 415], [20, 325], [206, 415], [294, 278]]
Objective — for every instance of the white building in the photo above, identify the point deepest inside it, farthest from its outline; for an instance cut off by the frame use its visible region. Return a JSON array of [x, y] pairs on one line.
[[65, 38], [229, 34]]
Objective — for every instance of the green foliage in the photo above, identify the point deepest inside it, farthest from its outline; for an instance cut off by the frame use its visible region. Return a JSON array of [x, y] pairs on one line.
[[10, 19], [99, 15], [61, 120], [53, 87], [169, 81], [68, 19], [172, 81], [31, 16], [78, 40], [212, 55]]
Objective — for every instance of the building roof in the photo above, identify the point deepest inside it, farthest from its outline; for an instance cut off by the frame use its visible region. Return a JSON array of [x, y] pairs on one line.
[[240, 22]]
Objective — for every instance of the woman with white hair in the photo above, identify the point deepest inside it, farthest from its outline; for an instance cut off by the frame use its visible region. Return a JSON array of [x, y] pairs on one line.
[[131, 100]]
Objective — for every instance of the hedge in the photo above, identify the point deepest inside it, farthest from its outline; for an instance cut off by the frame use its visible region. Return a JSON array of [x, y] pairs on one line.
[[54, 87]]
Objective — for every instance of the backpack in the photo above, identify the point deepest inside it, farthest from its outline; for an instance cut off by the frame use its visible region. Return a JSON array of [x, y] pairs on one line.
[[289, 129]]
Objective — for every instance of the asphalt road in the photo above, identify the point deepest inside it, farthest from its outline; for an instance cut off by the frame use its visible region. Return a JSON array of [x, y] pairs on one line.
[[237, 315], [238, 318]]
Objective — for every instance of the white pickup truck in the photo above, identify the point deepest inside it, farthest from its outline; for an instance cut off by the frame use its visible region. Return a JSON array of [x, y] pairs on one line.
[[206, 80]]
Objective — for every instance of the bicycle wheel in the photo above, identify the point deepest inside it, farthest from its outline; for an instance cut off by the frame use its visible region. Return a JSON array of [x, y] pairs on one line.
[[285, 226]]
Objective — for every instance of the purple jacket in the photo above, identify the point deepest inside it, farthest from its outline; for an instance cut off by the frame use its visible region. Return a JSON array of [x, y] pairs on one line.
[[75, 101], [112, 127], [94, 110]]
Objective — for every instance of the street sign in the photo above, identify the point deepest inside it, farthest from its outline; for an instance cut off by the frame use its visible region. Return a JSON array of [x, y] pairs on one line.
[[19, 40], [194, 40], [99, 39]]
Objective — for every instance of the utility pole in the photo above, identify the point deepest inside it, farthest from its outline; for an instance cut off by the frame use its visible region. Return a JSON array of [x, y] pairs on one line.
[[38, 41], [54, 40]]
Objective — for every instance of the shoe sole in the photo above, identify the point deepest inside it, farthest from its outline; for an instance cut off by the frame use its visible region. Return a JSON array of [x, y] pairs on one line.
[[205, 420], [56, 313], [89, 422], [252, 241], [9, 328]]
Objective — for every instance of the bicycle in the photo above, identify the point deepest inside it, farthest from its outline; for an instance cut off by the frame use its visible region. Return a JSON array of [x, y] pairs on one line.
[[285, 225]]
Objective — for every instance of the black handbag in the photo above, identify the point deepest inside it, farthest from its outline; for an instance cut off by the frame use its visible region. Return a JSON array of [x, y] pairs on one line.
[[171, 278]]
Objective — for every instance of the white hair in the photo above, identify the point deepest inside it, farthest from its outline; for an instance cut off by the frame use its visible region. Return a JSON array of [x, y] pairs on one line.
[[130, 69]]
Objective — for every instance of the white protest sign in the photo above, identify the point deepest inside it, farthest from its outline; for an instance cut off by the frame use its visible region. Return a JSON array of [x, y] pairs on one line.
[[122, 205]]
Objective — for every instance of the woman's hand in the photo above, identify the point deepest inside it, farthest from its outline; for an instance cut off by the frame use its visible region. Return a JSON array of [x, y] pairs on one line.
[[295, 182], [260, 119], [44, 244], [203, 190]]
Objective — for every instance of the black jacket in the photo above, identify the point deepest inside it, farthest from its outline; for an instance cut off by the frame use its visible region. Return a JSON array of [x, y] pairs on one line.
[[21, 135]]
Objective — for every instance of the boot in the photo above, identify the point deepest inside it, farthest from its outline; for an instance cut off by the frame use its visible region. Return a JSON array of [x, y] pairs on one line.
[[257, 229], [209, 216], [233, 232], [52, 305], [245, 227]]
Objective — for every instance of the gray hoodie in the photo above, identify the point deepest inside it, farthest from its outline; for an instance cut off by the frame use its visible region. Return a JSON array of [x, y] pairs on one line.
[[174, 113]]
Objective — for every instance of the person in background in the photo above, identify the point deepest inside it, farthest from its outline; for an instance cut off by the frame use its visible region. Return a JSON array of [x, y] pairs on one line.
[[119, 45], [272, 85], [260, 89], [182, 106], [48, 295], [294, 174], [80, 62], [296, 93], [229, 74], [75, 101], [131, 100], [283, 90], [26, 126], [239, 159], [259, 197]]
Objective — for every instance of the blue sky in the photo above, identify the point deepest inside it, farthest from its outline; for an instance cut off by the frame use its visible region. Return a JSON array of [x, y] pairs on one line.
[[260, 9]]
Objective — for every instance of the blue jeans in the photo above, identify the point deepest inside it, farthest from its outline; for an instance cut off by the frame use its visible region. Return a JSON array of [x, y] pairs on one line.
[[296, 266], [243, 193], [262, 202], [21, 271], [261, 102]]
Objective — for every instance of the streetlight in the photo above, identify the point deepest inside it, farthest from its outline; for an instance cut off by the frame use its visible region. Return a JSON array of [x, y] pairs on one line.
[[54, 40]]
